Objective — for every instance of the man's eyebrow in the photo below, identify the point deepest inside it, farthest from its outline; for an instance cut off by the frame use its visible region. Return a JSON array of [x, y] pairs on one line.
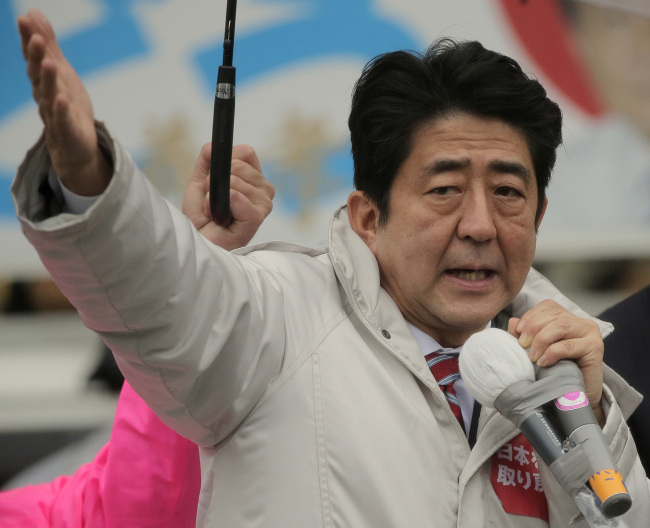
[[512, 167], [447, 165], [515, 168]]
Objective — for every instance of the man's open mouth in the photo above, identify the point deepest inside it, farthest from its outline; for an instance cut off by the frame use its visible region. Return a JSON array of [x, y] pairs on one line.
[[467, 274]]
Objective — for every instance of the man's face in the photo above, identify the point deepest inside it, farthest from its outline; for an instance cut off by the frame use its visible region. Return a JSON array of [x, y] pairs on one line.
[[460, 237]]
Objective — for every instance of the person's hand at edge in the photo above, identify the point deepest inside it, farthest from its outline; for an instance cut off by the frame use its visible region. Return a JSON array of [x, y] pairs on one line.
[[251, 198]]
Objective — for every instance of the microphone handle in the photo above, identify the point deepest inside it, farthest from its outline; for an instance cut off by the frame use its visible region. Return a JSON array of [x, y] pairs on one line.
[[606, 481], [547, 442], [542, 435], [576, 418], [222, 132]]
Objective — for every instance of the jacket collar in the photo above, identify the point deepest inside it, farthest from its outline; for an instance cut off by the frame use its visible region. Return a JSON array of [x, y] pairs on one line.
[[358, 273]]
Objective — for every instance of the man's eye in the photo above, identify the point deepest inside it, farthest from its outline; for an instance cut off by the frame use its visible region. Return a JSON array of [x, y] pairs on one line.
[[508, 191], [444, 190]]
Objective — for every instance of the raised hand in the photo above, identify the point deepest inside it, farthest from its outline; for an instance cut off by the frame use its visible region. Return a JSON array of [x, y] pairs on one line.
[[64, 107], [251, 198]]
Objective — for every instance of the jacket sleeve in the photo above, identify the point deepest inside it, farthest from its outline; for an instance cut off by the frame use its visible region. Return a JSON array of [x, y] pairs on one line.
[[56, 504], [197, 331], [144, 458]]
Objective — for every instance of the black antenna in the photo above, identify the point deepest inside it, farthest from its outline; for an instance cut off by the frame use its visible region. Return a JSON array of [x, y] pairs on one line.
[[223, 123]]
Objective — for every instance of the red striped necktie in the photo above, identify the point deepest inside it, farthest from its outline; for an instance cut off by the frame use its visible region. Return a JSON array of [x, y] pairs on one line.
[[444, 368]]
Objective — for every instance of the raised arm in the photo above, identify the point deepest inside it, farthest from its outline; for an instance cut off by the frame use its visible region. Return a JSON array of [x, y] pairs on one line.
[[181, 316], [67, 113]]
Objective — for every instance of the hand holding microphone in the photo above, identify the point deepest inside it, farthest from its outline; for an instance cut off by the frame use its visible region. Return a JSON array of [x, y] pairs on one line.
[[498, 372], [549, 332]]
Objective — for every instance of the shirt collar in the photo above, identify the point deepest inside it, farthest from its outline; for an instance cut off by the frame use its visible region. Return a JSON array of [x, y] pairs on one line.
[[428, 344]]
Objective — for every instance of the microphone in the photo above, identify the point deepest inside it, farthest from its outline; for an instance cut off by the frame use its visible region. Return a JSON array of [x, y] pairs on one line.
[[499, 374], [223, 123], [577, 420], [490, 363]]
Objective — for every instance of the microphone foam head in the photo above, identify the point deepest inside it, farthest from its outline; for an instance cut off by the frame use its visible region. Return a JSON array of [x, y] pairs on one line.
[[490, 362]]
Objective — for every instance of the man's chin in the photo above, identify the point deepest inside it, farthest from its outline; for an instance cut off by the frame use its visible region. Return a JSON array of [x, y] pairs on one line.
[[470, 320], [474, 311], [455, 329]]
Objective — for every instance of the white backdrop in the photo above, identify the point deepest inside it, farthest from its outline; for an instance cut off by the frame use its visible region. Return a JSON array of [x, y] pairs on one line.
[[150, 67]]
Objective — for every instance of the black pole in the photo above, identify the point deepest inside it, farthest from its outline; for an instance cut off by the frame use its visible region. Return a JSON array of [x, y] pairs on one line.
[[223, 123]]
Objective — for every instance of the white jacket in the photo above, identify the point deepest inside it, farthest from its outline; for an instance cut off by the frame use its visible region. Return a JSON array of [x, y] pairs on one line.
[[290, 367]]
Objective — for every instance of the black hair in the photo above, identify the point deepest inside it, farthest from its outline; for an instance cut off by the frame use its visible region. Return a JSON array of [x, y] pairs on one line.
[[399, 91]]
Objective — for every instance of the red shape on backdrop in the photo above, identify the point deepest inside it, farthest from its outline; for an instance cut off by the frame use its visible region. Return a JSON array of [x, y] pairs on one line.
[[545, 34]]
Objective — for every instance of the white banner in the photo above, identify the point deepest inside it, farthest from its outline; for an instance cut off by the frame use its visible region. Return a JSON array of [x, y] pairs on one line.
[[150, 67]]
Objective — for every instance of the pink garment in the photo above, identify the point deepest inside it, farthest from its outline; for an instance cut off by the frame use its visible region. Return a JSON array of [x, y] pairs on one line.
[[146, 476]]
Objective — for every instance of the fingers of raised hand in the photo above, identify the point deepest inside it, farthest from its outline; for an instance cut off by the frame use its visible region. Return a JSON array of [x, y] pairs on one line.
[[35, 53], [41, 70], [25, 32]]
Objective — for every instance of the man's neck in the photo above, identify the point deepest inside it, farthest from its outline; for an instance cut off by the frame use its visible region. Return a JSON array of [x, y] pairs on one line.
[[450, 337]]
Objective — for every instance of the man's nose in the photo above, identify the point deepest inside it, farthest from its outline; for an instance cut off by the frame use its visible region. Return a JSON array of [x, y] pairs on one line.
[[476, 220]]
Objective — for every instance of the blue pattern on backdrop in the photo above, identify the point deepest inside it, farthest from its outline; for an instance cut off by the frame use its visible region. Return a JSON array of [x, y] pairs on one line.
[[327, 28], [116, 38]]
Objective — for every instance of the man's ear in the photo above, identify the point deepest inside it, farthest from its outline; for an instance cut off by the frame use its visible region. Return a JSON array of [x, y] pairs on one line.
[[538, 220], [364, 218]]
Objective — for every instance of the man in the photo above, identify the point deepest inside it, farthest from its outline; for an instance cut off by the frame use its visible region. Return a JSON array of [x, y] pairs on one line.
[[626, 350], [298, 371]]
